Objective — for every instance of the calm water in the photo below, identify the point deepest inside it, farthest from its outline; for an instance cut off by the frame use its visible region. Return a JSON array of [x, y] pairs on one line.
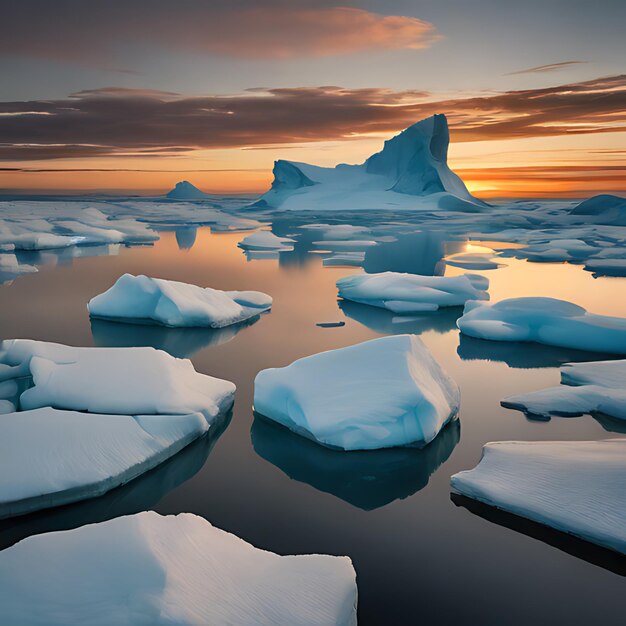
[[420, 556]]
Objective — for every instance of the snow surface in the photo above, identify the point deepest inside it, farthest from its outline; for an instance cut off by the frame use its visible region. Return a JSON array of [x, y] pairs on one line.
[[50, 457], [266, 240], [127, 381], [410, 172], [578, 487], [544, 320], [176, 304], [411, 293], [148, 568], [596, 387], [382, 393]]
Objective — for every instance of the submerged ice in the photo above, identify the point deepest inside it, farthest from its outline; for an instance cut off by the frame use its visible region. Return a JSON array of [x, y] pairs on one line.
[[176, 304], [379, 394]]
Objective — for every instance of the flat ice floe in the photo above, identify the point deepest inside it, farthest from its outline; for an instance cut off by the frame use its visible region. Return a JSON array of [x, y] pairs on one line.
[[586, 388], [544, 320], [126, 381], [176, 304], [378, 394], [50, 457], [266, 240], [578, 487], [148, 568], [411, 293]]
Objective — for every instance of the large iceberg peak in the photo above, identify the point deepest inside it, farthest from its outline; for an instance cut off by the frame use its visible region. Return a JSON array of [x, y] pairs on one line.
[[413, 163]]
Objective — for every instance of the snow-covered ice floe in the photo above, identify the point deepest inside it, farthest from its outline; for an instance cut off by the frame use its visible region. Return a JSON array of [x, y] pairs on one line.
[[474, 261], [597, 387], [578, 487], [544, 320], [176, 304], [127, 381], [266, 240], [50, 457], [378, 394], [148, 568], [138, 407], [411, 293]]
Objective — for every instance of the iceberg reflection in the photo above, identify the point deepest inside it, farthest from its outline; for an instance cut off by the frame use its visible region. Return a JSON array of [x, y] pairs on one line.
[[523, 355], [367, 479], [579, 548], [388, 323], [179, 342]]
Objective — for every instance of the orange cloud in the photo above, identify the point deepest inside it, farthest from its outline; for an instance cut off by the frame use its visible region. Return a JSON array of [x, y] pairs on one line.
[[90, 32]]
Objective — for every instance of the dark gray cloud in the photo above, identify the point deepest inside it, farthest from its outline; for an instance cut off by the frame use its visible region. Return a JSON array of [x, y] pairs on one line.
[[550, 67], [115, 121]]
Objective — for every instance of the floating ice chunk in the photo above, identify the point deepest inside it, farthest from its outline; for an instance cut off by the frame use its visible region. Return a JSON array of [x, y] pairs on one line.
[[596, 387], [379, 394], [42, 241], [544, 320], [336, 232], [578, 487], [266, 240], [411, 293], [345, 259], [127, 381], [606, 267], [176, 304], [51, 458], [344, 244], [148, 568], [474, 261]]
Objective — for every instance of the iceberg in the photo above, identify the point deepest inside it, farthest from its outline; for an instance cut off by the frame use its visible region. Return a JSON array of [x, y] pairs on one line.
[[544, 320], [578, 487], [184, 190], [411, 293], [175, 304], [50, 457], [410, 172], [596, 387], [128, 381], [266, 240], [602, 209], [148, 568], [382, 393]]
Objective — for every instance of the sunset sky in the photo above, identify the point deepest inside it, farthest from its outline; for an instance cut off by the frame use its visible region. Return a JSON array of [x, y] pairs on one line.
[[134, 96]]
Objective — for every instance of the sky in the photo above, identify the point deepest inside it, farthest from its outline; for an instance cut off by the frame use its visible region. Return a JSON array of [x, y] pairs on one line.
[[134, 96]]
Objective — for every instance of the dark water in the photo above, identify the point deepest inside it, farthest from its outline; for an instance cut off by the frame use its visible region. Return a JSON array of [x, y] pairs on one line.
[[421, 557]]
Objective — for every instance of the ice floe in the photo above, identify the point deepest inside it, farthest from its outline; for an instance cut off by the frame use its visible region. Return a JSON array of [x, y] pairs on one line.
[[11, 268], [382, 393], [155, 569], [578, 487], [176, 304], [596, 387], [410, 293], [50, 457], [113, 380], [544, 320], [266, 240]]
